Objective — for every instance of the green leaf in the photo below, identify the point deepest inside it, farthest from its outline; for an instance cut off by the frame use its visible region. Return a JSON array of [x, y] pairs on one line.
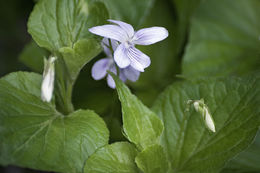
[[131, 11], [152, 160], [115, 158], [141, 125], [61, 26], [54, 24], [35, 135], [224, 39], [32, 56], [247, 161], [82, 52], [234, 105]]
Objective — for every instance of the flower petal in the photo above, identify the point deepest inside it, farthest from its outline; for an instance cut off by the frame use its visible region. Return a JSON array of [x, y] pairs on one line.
[[151, 35], [99, 69], [125, 26], [110, 31], [122, 75], [131, 74], [110, 81], [121, 57], [139, 60]]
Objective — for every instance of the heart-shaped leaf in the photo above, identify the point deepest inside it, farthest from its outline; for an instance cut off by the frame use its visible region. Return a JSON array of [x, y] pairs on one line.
[[35, 135]]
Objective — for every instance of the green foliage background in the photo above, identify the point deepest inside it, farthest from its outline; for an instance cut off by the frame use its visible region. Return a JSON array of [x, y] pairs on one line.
[[208, 38]]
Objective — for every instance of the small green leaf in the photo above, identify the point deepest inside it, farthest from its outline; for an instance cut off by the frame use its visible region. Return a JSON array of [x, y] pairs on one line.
[[32, 56], [141, 125], [115, 158], [247, 161], [82, 52], [234, 104], [35, 135], [152, 160], [224, 39]]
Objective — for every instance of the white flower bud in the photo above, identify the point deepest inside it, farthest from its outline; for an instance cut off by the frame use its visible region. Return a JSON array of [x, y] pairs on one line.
[[204, 111], [48, 79]]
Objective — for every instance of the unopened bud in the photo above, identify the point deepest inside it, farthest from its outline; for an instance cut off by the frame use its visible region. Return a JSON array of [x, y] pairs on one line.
[[48, 79], [202, 108]]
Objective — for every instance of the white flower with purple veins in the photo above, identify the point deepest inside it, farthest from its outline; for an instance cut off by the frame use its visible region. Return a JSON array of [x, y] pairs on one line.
[[100, 68], [126, 54]]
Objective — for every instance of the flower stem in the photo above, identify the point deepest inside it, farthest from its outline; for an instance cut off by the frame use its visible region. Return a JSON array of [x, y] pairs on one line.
[[64, 88]]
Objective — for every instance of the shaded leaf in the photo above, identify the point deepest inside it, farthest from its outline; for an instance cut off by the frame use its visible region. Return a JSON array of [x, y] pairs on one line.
[[247, 161], [224, 39], [131, 11], [234, 105], [164, 55], [32, 56]]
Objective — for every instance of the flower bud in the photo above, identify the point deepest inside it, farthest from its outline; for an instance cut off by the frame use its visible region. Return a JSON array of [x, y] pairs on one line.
[[202, 108], [48, 79]]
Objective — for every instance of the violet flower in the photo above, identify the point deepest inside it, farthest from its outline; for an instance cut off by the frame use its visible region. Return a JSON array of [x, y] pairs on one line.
[[100, 68], [126, 54]]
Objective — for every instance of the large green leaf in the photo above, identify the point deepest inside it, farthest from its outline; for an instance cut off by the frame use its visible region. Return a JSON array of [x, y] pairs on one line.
[[34, 135], [61, 26], [141, 125], [247, 161], [224, 39], [115, 158], [131, 11], [234, 104], [152, 160]]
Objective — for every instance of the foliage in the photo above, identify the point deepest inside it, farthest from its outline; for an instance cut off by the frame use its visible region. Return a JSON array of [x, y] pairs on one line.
[[212, 53]]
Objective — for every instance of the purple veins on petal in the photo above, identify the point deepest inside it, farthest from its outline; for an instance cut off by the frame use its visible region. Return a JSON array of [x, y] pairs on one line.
[[139, 60], [125, 26], [121, 56], [126, 54]]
